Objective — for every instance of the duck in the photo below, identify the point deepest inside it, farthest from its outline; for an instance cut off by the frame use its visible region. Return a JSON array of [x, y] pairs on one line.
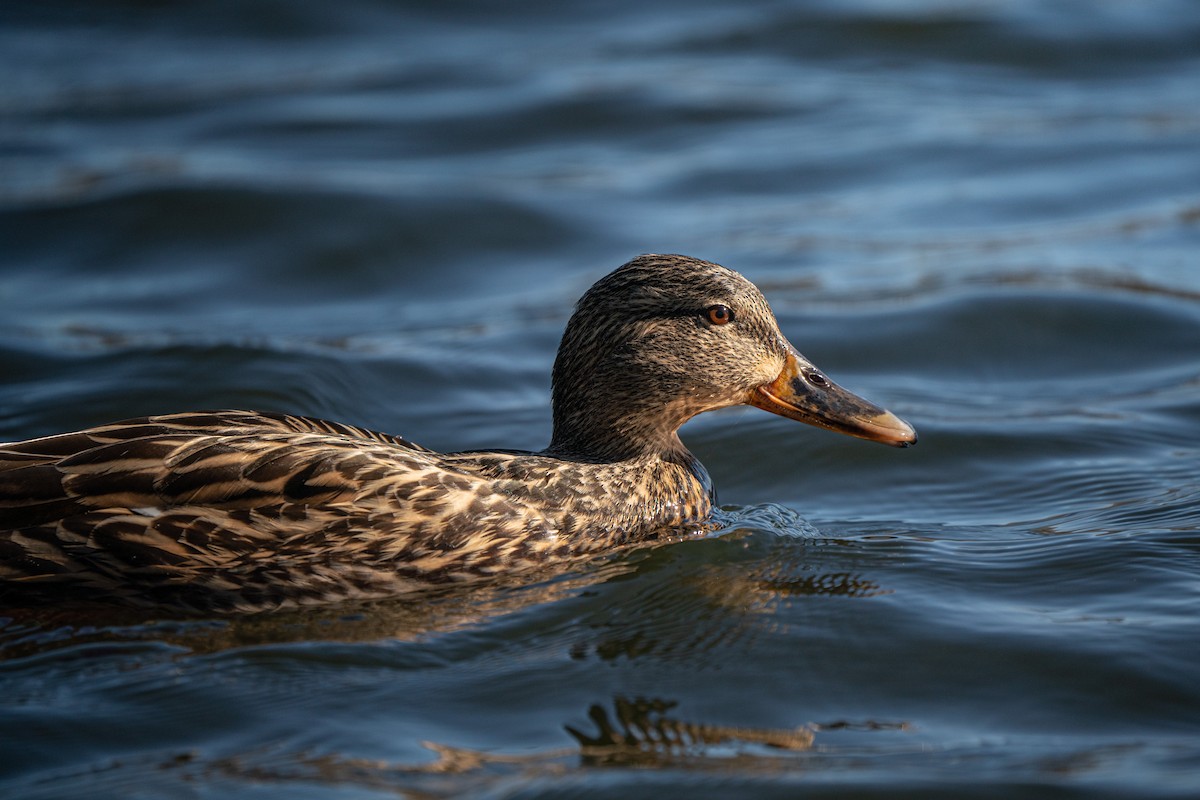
[[242, 511]]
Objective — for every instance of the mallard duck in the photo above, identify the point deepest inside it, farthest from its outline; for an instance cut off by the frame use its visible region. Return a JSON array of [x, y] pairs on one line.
[[237, 511]]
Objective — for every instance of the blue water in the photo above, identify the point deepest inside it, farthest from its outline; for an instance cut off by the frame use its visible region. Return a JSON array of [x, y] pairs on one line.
[[983, 215]]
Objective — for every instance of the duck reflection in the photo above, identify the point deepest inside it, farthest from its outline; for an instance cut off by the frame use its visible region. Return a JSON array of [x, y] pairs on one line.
[[640, 730], [640, 733], [26, 631], [632, 732]]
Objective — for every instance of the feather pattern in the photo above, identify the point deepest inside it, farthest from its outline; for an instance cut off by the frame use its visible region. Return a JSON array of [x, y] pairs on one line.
[[237, 511]]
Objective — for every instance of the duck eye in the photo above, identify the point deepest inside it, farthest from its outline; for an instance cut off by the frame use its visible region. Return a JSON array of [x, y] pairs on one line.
[[719, 314]]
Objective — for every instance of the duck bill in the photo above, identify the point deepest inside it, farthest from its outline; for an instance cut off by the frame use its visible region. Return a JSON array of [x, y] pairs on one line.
[[802, 392]]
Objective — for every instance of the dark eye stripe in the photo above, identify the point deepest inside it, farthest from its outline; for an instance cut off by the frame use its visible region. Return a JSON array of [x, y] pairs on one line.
[[719, 314]]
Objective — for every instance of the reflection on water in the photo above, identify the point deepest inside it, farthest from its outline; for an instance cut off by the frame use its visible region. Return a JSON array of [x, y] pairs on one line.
[[641, 731], [632, 733], [28, 631]]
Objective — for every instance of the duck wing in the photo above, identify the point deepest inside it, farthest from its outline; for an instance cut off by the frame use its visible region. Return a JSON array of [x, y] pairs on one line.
[[219, 459], [222, 509]]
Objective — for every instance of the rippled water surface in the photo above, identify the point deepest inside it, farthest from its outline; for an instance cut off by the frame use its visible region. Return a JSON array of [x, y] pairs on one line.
[[984, 215]]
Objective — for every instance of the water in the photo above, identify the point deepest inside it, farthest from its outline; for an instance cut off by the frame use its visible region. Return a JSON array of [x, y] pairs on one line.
[[983, 215]]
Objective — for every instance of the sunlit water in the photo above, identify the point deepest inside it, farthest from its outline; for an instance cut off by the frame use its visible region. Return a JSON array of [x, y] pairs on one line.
[[984, 216]]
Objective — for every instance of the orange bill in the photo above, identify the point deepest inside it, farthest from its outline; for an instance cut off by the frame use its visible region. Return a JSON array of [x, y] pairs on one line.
[[802, 392]]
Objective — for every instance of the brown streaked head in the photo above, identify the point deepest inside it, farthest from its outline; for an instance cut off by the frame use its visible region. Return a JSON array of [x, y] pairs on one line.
[[666, 337]]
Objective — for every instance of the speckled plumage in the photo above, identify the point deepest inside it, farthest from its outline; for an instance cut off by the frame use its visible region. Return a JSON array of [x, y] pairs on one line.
[[235, 511]]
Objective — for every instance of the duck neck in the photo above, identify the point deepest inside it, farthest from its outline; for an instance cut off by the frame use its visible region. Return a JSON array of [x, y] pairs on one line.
[[643, 464], [603, 434]]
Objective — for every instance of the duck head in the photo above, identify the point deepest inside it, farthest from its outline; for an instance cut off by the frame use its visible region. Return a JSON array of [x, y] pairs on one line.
[[666, 337]]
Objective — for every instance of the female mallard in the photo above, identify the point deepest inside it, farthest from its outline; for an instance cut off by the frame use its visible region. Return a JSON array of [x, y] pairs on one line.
[[242, 511]]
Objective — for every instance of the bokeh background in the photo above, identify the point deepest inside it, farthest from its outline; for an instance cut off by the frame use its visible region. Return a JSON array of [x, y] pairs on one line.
[[984, 215]]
